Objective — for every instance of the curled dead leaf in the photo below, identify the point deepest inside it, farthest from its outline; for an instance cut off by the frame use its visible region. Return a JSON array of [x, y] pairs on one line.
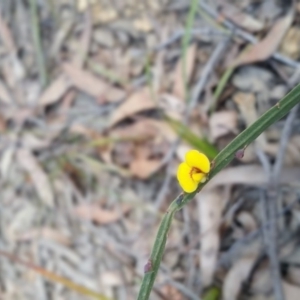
[[141, 130], [39, 178], [139, 101], [143, 168], [267, 46], [236, 276], [47, 233], [252, 175], [210, 213], [179, 80], [5, 96], [246, 104], [55, 91], [92, 85], [100, 215], [240, 18], [222, 123]]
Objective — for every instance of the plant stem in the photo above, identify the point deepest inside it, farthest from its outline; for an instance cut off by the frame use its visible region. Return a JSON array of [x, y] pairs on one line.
[[221, 161]]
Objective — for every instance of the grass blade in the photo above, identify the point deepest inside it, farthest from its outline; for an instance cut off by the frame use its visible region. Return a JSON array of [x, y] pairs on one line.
[[187, 135]]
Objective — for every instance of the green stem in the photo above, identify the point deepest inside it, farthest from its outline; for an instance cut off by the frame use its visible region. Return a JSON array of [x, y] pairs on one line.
[[221, 161]]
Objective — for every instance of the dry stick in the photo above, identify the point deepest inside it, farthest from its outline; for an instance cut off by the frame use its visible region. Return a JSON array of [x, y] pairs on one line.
[[269, 203], [227, 258], [245, 35], [268, 212], [219, 50], [285, 135], [208, 68], [183, 289], [35, 27], [194, 33]]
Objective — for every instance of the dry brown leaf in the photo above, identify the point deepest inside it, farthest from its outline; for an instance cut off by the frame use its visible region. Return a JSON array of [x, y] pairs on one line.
[[261, 282], [181, 151], [247, 221], [236, 276], [5, 96], [6, 36], [102, 14], [210, 213], [111, 278], [291, 292], [92, 85], [84, 41], [55, 91], [143, 168], [100, 215], [143, 23], [172, 106], [240, 18], [38, 176], [21, 220], [45, 232], [6, 161], [165, 130], [246, 104], [179, 87], [3, 125], [83, 5], [137, 102], [252, 175], [60, 36], [293, 275], [171, 292], [290, 45], [222, 123], [141, 130], [267, 46]]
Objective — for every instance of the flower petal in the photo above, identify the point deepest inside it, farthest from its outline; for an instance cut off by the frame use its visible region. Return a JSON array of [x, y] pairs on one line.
[[184, 177], [197, 160], [198, 177]]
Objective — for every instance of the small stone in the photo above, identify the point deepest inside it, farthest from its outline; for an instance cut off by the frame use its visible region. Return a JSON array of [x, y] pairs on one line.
[[104, 38], [252, 79], [143, 24], [290, 45], [278, 92]]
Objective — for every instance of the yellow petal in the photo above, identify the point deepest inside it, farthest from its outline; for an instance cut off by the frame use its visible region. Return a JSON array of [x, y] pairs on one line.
[[198, 177], [185, 180], [198, 160]]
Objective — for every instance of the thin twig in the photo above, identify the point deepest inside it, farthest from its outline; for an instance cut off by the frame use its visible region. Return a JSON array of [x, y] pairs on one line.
[[183, 289], [194, 33], [214, 58], [227, 258], [35, 27], [285, 135], [269, 201], [270, 238], [269, 213], [166, 183]]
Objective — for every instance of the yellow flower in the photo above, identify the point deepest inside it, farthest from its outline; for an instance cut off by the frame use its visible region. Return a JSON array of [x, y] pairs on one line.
[[193, 170]]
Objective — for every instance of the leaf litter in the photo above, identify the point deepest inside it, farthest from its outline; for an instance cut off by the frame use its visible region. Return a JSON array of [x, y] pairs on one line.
[[85, 159]]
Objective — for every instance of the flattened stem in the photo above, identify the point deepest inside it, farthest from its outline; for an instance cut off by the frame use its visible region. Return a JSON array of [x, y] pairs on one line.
[[221, 161]]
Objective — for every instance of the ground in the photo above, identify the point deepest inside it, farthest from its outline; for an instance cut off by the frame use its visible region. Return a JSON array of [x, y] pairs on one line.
[[100, 101]]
